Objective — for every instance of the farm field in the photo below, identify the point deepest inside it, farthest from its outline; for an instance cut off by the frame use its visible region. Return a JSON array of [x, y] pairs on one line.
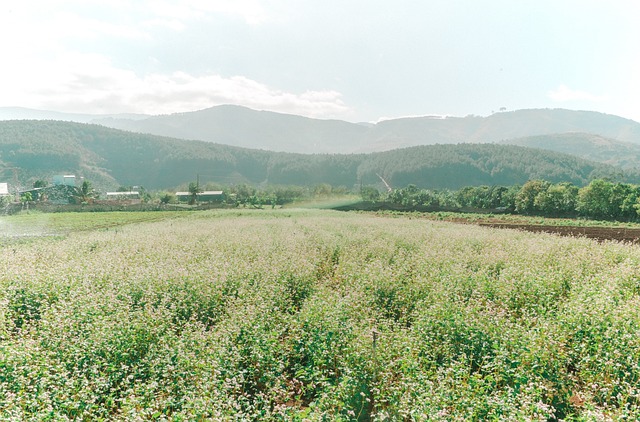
[[312, 315], [592, 229], [49, 224]]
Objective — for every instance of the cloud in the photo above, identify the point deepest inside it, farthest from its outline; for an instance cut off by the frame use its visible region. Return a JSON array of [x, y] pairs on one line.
[[90, 83], [251, 11], [564, 94], [50, 67]]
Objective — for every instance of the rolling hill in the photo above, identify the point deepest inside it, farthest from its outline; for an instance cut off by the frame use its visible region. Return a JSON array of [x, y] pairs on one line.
[[586, 145], [244, 127], [240, 126], [110, 158]]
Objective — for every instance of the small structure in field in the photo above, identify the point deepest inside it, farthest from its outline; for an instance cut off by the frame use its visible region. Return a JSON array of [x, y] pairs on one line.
[[36, 194], [206, 196], [124, 198], [123, 195], [64, 180], [4, 189]]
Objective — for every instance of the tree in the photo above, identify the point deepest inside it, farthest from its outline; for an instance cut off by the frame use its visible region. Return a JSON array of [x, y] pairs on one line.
[[558, 199], [40, 183], [167, 198], [447, 199], [623, 198], [594, 200], [84, 194], [194, 190], [369, 193], [525, 199], [322, 190], [508, 198]]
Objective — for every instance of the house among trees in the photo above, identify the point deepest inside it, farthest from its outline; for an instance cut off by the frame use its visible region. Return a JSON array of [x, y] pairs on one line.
[[64, 180], [33, 194], [205, 196], [123, 195], [129, 197], [4, 189]]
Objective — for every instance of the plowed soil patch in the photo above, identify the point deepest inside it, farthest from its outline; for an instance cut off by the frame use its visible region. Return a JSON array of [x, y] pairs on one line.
[[599, 233]]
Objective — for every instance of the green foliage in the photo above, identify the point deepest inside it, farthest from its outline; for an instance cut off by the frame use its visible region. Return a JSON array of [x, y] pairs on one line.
[[559, 199], [40, 183], [26, 197], [194, 190], [167, 198], [369, 193], [605, 199], [526, 197], [84, 193], [601, 199]]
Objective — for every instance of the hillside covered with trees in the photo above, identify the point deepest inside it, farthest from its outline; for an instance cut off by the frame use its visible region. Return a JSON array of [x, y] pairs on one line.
[[35, 150], [585, 145]]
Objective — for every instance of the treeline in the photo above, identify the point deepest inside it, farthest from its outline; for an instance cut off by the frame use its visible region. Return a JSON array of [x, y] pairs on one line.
[[600, 199], [245, 195]]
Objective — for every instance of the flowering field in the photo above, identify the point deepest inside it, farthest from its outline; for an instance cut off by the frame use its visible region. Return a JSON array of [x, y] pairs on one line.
[[315, 315]]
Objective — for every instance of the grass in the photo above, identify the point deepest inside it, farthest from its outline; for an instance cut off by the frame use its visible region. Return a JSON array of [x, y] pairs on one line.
[[37, 223], [326, 203], [314, 315]]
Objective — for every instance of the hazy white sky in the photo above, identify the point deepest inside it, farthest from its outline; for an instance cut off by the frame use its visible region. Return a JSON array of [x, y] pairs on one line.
[[357, 60]]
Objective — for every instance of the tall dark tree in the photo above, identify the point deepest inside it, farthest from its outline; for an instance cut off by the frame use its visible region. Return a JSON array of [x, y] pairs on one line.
[[85, 193], [194, 190]]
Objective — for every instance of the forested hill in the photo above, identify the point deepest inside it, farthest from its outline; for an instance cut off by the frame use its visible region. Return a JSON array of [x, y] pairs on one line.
[[111, 158], [586, 145]]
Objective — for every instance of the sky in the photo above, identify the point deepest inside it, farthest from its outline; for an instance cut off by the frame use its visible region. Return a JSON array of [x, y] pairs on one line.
[[355, 60]]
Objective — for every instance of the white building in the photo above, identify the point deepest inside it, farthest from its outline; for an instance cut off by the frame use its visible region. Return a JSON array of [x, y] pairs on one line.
[[123, 195], [4, 189], [206, 196], [64, 179]]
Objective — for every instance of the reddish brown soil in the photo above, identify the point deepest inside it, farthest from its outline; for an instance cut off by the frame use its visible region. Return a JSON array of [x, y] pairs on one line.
[[622, 234], [599, 233]]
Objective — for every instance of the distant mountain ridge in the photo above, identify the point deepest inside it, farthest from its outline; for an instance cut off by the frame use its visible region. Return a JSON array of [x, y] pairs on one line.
[[22, 113], [247, 128], [32, 150]]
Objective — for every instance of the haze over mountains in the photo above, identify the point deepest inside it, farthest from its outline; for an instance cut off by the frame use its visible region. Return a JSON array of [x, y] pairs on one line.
[[240, 145], [244, 127], [31, 150]]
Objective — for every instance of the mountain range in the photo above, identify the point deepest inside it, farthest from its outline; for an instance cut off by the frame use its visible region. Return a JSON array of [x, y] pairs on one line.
[[244, 127], [232, 144], [32, 150]]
